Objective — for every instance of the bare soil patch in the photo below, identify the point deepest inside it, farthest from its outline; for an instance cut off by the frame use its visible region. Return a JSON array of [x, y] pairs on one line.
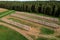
[[2, 9]]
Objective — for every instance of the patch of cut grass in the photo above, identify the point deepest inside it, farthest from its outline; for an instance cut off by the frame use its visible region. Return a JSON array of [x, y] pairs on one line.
[[9, 34], [46, 31]]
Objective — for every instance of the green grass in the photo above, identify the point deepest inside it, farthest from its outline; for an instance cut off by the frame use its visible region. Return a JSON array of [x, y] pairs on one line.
[[46, 31], [2, 14], [44, 38], [9, 34], [41, 38]]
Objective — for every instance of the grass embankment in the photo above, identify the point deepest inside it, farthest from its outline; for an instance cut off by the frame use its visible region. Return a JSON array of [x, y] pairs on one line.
[[46, 31], [9, 34], [2, 14]]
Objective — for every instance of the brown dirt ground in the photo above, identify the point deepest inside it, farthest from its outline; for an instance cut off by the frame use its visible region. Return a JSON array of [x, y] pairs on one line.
[[2, 10]]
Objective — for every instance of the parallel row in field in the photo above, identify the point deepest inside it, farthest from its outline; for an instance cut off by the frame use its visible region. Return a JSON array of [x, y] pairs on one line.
[[2, 14], [31, 15], [36, 21], [9, 34], [16, 24], [20, 25]]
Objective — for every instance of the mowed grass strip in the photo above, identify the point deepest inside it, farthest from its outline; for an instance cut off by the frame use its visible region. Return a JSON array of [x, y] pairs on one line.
[[2, 14], [9, 34], [46, 31]]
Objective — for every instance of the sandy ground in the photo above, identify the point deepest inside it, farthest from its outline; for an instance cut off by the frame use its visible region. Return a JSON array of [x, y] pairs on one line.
[[2, 10]]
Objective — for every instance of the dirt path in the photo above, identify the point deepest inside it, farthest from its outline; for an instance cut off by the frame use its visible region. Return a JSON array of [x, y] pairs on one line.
[[18, 30]]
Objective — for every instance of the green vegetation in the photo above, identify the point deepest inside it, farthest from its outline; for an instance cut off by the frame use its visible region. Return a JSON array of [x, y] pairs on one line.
[[2, 14], [46, 31], [53, 39], [9, 34], [41, 38], [44, 38]]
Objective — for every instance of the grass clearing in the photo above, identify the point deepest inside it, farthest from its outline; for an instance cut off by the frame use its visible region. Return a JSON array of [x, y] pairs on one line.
[[2, 14], [9, 34], [46, 31], [44, 38], [41, 38]]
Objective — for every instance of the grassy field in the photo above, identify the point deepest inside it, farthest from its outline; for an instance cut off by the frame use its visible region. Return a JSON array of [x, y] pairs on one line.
[[2, 14], [9, 34], [46, 31], [43, 38]]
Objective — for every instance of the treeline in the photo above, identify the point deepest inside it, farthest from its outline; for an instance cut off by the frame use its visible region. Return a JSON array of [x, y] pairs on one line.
[[48, 8]]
